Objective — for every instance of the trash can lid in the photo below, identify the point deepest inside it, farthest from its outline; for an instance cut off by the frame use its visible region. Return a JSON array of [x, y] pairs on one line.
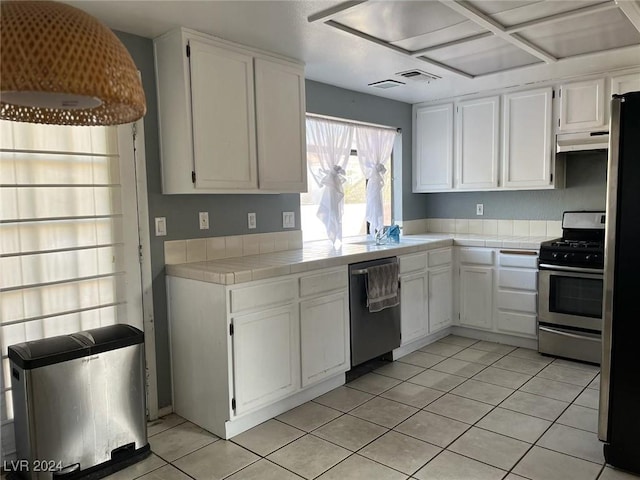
[[111, 337], [48, 351], [39, 353]]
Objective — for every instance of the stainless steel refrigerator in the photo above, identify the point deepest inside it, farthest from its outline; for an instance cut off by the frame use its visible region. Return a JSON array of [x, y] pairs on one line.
[[619, 418]]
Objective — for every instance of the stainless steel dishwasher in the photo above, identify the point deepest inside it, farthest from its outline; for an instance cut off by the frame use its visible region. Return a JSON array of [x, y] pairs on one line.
[[372, 334]]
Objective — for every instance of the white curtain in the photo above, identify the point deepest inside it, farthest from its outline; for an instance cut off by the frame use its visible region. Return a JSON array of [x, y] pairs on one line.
[[331, 143], [374, 151]]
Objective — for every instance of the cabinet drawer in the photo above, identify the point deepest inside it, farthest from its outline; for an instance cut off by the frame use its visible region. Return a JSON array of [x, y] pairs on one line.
[[521, 260], [272, 293], [325, 281], [519, 279], [520, 301], [412, 263], [476, 256], [440, 257], [519, 323]]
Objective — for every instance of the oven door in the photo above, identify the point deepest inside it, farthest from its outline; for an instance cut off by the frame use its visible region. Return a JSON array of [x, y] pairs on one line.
[[570, 296]]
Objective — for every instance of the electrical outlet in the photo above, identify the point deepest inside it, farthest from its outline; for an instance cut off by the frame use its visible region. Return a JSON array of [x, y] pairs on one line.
[[479, 208], [288, 220], [161, 226], [203, 219], [251, 220]]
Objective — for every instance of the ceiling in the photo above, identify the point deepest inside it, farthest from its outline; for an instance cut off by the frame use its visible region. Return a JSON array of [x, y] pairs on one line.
[[463, 46]]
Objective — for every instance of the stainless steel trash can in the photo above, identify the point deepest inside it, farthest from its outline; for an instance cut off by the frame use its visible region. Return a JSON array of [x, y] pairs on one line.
[[79, 403]]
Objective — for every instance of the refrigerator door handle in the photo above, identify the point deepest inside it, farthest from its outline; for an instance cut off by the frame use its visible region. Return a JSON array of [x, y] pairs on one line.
[[609, 266]]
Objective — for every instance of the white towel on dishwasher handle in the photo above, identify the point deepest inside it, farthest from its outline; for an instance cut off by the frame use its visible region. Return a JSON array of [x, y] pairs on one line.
[[382, 287]]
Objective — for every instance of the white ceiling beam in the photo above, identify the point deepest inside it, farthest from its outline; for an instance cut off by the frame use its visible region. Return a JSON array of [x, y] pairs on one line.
[[334, 11], [497, 29], [395, 48], [579, 12], [632, 11], [453, 43]]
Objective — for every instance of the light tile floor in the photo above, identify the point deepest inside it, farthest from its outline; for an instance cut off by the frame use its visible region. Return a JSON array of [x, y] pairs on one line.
[[458, 409]]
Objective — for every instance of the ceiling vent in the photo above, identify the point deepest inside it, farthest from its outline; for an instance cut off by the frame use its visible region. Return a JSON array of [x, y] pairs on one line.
[[418, 76], [384, 84]]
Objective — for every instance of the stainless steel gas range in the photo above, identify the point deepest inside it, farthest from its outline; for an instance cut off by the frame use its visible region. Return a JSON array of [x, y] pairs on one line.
[[570, 288]]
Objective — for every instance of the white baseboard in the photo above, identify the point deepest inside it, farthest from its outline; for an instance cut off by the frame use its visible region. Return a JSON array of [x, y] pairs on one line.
[[495, 337], [165, 411], [419, 343], [250, 420]]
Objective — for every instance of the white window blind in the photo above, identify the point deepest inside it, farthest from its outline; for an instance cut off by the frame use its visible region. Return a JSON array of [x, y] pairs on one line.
[[63, 264]]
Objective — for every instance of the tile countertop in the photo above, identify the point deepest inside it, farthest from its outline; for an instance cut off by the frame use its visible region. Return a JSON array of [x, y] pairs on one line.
[[320, 254]]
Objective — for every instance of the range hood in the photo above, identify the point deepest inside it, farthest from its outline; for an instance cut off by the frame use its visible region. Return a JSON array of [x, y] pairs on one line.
[[575, 142]]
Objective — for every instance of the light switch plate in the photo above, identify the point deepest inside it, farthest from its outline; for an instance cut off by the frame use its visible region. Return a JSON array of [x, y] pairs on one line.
[[251, 220], [479, 208], [203, 220], [288, 220], [161, 226]]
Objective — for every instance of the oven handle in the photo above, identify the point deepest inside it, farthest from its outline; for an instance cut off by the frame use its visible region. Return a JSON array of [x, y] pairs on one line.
[[567, 334], [546, 266]]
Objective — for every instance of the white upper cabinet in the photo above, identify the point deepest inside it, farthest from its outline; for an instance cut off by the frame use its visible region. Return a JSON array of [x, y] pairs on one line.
[[231, 118], [433, 148], [280, 115], [625, 84], [477, 140], [224, 145], [582, 106], [527, 146]]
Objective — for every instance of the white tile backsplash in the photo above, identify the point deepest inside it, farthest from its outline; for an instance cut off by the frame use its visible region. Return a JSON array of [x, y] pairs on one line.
[[462, 225], [217, 248], [521, 228], [537, 228], [475, 227], [196, 250], [554, 228], [490, 227], [505, 227]]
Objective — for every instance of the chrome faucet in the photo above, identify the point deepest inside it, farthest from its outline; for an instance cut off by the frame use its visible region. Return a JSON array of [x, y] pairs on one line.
[[382, 236]]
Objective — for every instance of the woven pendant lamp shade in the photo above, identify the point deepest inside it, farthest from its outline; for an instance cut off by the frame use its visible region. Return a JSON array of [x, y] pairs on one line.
[[59, 65]]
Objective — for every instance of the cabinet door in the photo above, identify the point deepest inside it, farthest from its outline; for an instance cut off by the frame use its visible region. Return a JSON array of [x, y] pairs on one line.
[[476, 293], [324, 337], [223, 112], [414, 313], [527, 146], [582, 106], [280, 116], [477, 140], [433, 155], [625, 84], [266, 356], [440, 298]]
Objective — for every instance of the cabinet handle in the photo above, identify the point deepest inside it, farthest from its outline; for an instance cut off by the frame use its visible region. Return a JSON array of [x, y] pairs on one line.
[[519, 252]]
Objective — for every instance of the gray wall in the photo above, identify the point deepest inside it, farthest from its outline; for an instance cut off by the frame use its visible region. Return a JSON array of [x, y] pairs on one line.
[[227, 213], [585, 189]]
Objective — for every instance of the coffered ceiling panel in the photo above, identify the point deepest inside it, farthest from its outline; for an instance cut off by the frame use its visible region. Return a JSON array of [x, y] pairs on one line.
[[399, 20], [514, 12], [438, 37], [479, 57], [592, 33]]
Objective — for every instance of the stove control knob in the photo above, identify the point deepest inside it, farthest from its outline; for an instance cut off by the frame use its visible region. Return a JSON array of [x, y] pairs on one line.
[[567, 256], [555, 255], [589, 258]]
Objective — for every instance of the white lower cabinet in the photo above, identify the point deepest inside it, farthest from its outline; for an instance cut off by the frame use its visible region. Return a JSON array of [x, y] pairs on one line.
[[244, 353], [501, 295], [266, 362], [324, 337], [414, 311], [517, 293], [476, 292], [426, 293], [440, 298]]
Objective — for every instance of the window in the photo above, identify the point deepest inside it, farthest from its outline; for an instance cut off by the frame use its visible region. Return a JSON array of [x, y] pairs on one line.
[[68, 237], [353, 221]]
